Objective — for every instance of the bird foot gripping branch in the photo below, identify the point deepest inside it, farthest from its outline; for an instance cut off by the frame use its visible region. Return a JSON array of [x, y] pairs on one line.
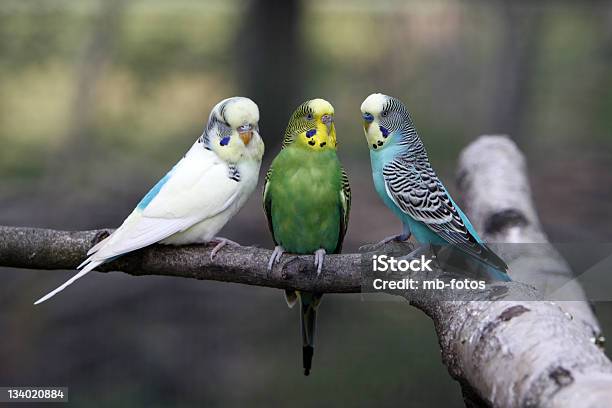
[[221, 242]]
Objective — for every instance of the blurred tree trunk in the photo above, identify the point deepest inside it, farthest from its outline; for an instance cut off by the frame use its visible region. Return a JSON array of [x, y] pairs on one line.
[[269, 62], [521, 24], [93, 62]]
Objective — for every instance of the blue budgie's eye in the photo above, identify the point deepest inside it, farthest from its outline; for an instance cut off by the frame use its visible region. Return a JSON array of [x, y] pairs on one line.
[[368, 117], [224, 141], [385, 114]]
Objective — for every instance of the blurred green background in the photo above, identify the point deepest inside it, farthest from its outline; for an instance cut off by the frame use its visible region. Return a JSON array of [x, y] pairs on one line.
[[98, 99]]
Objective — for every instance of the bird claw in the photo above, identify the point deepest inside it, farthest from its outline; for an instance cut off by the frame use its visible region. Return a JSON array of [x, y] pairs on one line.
[[398, 238], [276, 256], [416, 253], [221, 242], [319, 257]]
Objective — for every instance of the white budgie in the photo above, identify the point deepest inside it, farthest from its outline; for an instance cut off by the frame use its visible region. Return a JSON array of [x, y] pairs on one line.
[[201, 193]]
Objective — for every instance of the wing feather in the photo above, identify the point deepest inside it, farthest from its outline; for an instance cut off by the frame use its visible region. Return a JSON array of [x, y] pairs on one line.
[[416, 190], [198, 188], [345, 209], [267, 203]]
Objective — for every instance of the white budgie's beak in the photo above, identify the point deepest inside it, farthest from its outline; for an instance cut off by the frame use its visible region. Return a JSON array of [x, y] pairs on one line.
[[246, 133]]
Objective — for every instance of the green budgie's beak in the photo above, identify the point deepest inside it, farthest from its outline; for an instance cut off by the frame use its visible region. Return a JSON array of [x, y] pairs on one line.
[[328, 120]]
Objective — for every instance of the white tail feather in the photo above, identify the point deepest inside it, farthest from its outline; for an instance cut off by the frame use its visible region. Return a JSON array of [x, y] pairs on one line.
[[101, 244], [91, 265], [97, 247], [85, 262]]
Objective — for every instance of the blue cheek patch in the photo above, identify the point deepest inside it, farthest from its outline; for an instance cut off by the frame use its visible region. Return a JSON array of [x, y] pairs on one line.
[[311, 133], [224, 141], [384, 131]]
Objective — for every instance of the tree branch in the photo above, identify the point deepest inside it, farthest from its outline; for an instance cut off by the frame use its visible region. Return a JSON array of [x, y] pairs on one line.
[[36, 248], [507, 352], [504, 346]]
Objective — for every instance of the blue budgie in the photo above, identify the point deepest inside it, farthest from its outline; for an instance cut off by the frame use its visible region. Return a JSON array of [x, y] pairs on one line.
[[409, 186], [201, 193]]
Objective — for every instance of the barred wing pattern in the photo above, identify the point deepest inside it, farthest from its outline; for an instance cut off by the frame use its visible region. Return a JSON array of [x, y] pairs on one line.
[[345, 209], [417, 191], [267, 203]]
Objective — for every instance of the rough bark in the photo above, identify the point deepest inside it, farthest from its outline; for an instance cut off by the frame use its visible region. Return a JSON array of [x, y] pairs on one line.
[[36, 248], [503, 344], [492, 177]]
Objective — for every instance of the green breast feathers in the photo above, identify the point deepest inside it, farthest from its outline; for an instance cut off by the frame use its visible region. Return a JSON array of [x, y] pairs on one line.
[[306, 200]]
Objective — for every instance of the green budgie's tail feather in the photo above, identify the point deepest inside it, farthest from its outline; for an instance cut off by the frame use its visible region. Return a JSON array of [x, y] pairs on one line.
[[291, 298], [310, 303], [307, 352]]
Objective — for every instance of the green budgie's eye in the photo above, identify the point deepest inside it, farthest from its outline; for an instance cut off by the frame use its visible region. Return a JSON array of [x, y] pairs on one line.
[[309, 116]]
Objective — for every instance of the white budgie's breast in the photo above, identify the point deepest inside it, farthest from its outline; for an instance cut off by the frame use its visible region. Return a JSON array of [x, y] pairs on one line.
[[205, 230]]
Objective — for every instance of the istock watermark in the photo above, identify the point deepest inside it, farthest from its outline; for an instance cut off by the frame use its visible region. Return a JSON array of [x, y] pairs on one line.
[[390, 265], [447, 272], [385, 263]]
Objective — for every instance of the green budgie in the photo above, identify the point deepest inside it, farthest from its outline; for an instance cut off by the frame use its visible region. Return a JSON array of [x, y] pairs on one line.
[[307, 201]]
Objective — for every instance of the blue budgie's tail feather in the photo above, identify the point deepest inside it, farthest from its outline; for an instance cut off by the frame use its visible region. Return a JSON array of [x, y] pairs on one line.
[[497, 267], [310, 303], [493, 260], [455, 259], [498, 275], [491, 272]]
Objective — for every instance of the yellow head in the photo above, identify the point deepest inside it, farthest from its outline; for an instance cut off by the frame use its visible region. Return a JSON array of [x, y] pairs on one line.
[[312, 126]]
